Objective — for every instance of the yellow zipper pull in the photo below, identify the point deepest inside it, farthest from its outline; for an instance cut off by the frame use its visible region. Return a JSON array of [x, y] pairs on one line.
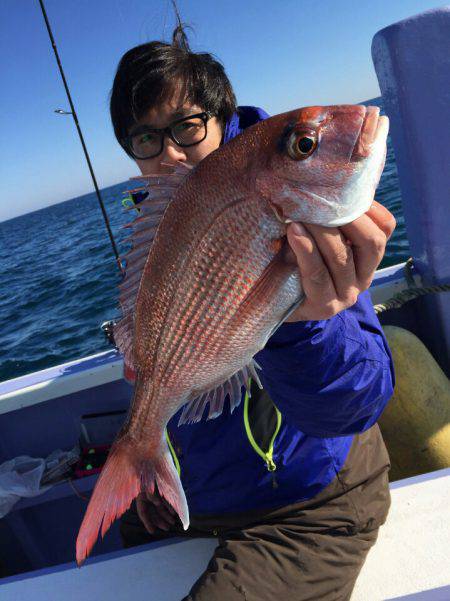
[[270, 464], [271, 467]]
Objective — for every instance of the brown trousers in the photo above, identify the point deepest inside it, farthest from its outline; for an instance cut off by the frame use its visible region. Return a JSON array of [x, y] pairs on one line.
[[308, 551]]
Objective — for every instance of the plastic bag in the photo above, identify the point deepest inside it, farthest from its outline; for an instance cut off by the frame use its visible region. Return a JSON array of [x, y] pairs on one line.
[[22, 476], [19, 477]]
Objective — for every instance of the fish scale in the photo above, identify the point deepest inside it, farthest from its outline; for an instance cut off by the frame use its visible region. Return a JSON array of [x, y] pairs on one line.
[[226, 286], [207, 282]]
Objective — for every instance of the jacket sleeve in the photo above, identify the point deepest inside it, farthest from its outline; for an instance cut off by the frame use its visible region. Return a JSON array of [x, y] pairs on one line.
[[333, 377]]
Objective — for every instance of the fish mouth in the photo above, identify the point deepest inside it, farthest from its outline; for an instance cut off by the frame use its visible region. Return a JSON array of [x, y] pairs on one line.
[[371, 128]]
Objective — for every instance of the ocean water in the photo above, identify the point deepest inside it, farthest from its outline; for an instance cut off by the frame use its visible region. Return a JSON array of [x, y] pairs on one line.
[[59, 276]]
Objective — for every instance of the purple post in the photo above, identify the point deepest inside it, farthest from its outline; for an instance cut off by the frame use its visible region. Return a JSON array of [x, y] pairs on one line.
[[412, 61]]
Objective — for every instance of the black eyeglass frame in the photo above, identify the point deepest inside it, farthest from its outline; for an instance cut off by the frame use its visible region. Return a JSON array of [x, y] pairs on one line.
[[205, 116]]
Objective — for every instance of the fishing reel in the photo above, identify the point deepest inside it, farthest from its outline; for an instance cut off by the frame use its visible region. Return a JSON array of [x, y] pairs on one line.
[[108, 329]]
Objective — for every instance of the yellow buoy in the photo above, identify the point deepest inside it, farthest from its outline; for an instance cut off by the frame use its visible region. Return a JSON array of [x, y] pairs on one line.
[[416, 422]]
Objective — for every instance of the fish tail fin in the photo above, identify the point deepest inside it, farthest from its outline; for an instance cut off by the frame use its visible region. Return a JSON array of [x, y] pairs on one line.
[[125, 474], [117, 486], [162, 471]]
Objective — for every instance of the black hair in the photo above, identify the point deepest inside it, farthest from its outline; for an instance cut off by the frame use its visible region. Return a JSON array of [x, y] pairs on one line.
[[146, 74]]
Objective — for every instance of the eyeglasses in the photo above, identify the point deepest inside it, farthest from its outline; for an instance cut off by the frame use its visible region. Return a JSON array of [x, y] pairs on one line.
[[188, 131]]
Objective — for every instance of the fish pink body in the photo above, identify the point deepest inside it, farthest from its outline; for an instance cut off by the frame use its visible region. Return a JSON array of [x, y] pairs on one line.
[[208, 281]]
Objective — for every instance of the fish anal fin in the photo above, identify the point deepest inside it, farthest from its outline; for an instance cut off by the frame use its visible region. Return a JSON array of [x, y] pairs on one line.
[[193, 410]]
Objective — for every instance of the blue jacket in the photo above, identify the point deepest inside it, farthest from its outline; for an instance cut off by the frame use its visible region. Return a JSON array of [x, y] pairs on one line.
[[327, 379]]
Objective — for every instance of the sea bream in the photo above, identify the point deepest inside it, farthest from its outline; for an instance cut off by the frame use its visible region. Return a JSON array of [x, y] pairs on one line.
[[208, 282]]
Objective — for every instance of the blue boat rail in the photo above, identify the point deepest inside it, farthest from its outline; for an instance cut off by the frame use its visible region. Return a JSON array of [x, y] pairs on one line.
[[412, 291]]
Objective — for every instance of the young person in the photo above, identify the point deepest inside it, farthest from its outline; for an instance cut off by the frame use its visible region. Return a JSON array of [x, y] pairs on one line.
[[294, 482]]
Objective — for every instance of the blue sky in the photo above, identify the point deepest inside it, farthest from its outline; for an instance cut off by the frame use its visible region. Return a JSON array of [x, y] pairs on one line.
[[279, 54]]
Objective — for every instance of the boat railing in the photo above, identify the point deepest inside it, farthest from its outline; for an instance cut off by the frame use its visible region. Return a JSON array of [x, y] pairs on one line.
[[107, 366]]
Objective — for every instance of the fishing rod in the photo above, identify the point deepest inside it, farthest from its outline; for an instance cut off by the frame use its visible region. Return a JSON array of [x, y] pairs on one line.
[[86, 154]]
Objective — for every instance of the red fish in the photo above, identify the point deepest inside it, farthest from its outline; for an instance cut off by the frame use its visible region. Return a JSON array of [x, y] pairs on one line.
[[207, 280]]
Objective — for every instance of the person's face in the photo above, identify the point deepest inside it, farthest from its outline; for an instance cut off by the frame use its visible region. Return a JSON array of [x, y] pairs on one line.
[[162, 116]]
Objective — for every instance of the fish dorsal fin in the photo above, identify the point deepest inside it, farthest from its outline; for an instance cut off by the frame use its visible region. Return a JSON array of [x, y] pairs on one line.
[[194, 409], [160, 191]]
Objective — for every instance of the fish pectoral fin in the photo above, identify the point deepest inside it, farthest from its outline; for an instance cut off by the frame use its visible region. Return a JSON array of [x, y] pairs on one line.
[[194, 409], [289, 312], [160, 191], [268, 283]]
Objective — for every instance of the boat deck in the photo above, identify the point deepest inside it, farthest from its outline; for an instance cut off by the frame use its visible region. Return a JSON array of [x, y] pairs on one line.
[[409, 562]]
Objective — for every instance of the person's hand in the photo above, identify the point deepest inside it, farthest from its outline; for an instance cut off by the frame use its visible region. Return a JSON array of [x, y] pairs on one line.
[[155, 512], [336, 264]]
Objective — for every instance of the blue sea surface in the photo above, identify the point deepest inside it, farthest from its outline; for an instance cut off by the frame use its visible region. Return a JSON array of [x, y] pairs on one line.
[[59, 275]]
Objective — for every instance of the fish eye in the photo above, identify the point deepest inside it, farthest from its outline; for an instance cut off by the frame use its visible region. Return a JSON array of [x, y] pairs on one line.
[[301, 145]]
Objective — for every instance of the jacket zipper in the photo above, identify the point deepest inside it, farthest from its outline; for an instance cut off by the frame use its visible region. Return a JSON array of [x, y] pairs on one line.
[[268, 457], [172, 452]]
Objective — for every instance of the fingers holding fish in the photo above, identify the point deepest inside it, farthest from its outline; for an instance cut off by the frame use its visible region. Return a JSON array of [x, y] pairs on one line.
[[383, 218], [154, 513], [337, 256], [143, 513], [368, 243], [326, 270]]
